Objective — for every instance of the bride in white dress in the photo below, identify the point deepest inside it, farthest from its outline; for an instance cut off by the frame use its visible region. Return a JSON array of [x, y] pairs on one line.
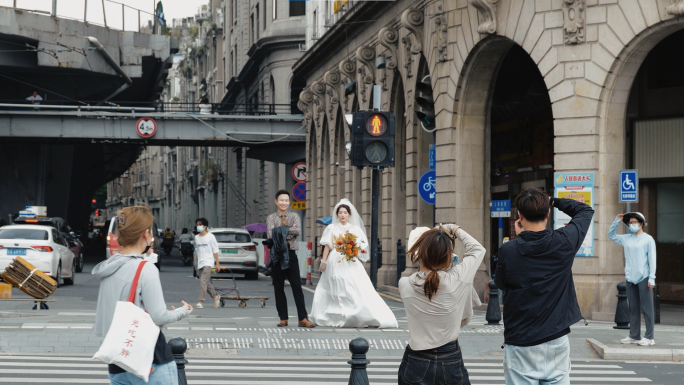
[[345, 296]]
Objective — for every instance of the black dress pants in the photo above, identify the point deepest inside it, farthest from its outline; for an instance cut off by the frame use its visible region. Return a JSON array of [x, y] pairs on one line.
[[292, 275]]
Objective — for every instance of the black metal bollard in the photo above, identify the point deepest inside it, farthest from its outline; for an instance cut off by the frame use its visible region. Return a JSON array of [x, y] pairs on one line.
[[178, 348], [401, 259], [622, 310], [493, 310], [379, 253], [358, 375]]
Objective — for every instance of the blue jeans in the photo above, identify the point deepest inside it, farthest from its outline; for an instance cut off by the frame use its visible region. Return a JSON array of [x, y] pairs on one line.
[[164, 374], [547, 363], [438, 366]]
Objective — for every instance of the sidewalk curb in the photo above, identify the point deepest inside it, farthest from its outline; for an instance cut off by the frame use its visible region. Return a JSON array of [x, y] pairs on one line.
[[646, 354]]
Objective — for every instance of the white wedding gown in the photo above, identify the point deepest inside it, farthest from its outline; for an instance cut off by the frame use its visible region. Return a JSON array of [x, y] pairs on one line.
[[345, 296]]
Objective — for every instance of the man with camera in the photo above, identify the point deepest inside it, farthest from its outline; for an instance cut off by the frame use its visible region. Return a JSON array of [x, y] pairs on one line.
[[535, 269]]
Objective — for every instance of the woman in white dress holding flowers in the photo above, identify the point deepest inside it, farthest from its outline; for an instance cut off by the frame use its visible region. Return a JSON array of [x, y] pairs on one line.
[[345, 296]]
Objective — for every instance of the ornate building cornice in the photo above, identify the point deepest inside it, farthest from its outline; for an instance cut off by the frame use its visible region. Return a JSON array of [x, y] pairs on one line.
[[412, 19], [573, 21], [676, 8], [487, 9], [388, 37]]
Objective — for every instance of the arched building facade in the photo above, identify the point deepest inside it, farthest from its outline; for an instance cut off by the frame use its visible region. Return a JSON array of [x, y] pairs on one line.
[[522, 89]]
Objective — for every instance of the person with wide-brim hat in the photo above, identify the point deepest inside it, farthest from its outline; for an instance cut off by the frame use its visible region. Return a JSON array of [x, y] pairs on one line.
[[640, 269]]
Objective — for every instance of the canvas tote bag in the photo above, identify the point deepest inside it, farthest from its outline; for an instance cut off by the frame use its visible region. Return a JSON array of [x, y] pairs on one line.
[[130, 341]]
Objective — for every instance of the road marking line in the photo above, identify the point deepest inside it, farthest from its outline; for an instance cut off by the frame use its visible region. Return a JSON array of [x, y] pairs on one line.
[[390, 297], [28, 326], [76, 314], [226, 328]]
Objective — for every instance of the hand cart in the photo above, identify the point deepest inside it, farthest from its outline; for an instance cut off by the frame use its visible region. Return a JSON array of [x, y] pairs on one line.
[[225, 292]]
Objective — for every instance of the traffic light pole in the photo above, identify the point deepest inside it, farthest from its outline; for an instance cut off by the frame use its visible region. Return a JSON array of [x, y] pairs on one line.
[[375, 201], [375, 198]]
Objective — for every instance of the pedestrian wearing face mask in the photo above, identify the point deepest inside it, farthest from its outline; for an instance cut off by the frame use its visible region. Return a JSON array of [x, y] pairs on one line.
[[640, 269], [207, 250]]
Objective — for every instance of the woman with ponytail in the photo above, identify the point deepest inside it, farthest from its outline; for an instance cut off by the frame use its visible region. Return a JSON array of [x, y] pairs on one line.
[[439, 301]]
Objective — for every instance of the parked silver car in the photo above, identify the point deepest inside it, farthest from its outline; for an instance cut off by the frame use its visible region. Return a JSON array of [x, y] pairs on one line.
[[237, 252]]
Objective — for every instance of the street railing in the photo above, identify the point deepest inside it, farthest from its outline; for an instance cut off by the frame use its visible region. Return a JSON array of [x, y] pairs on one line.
[[105, 13], [171, 107]]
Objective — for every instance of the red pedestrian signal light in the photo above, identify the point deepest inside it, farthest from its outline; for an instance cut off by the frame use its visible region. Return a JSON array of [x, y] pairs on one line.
[[376, 124], [94, 200]]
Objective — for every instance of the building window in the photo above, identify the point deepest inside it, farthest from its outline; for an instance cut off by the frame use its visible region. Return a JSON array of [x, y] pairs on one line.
[[232, 68], [670, 208], [257, 22], [315, 24], [235, 9], [297, 8], [251, 29], [265, 12], [275, 9]]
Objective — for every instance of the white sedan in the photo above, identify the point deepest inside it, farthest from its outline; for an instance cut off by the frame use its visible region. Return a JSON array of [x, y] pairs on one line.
[[42, 246]]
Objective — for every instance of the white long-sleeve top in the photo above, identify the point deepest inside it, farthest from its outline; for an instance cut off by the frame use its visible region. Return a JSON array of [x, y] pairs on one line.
[[435, 323], [640, 254]]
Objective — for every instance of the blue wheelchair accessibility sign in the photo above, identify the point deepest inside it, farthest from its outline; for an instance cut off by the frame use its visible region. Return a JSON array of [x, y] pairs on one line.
[[629, 186]]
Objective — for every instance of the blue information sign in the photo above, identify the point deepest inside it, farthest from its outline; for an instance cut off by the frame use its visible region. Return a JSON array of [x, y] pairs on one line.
[[299, 192], [433, 157], [629, 186], [427, 187], [501, 208]]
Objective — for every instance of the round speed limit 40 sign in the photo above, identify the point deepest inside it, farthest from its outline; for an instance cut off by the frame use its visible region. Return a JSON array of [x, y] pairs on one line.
[[146, 127]]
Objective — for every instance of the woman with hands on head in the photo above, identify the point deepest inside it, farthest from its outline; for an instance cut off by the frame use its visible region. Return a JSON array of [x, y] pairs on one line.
[[134, 232], [439, 301]]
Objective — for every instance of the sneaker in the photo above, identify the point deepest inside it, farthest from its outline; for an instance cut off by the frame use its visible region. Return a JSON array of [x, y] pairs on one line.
[[646, 342], [629, 340], [199, 305]]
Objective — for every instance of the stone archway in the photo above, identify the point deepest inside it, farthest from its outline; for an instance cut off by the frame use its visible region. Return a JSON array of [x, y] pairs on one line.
[[472, 136], [613, 128], [502, 90]]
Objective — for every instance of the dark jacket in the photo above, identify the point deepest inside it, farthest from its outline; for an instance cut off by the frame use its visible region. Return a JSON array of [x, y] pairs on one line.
[[535, 269], [280, 251]]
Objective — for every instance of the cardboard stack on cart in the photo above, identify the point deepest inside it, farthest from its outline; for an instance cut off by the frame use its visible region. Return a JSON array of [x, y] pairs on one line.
[[28, 279]]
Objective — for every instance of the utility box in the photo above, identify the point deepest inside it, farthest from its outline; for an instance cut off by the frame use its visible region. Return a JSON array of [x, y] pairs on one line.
[[5, 290]]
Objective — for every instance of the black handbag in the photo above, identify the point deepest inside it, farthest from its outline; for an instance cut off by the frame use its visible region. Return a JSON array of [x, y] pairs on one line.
[[269, 267]]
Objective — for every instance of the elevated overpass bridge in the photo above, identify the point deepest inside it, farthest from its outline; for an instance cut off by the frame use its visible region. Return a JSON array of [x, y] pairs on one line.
[[57, 154], [277, 138]]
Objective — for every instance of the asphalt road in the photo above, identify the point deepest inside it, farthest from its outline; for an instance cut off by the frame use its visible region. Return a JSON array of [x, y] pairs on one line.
[[233, 345], [178, 285]]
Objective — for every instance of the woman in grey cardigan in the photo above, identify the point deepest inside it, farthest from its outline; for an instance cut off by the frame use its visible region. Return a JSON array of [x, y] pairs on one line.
[[439, 301], [134, 232]]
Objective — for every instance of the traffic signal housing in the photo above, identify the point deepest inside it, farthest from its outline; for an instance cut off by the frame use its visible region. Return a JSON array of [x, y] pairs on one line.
[[372, 139], [426, 102]]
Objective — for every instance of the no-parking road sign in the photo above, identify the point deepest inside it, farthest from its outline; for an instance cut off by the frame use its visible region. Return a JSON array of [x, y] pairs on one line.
[[299, 192]]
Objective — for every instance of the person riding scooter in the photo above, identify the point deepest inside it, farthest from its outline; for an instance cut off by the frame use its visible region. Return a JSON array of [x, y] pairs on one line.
[[187, 247], [169, 239]]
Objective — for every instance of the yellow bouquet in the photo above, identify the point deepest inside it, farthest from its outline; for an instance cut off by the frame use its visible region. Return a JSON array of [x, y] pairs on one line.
[[348, 245]]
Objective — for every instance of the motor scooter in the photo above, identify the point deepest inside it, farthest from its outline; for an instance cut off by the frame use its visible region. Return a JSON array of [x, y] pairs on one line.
[[186, 252], [167, 245]]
